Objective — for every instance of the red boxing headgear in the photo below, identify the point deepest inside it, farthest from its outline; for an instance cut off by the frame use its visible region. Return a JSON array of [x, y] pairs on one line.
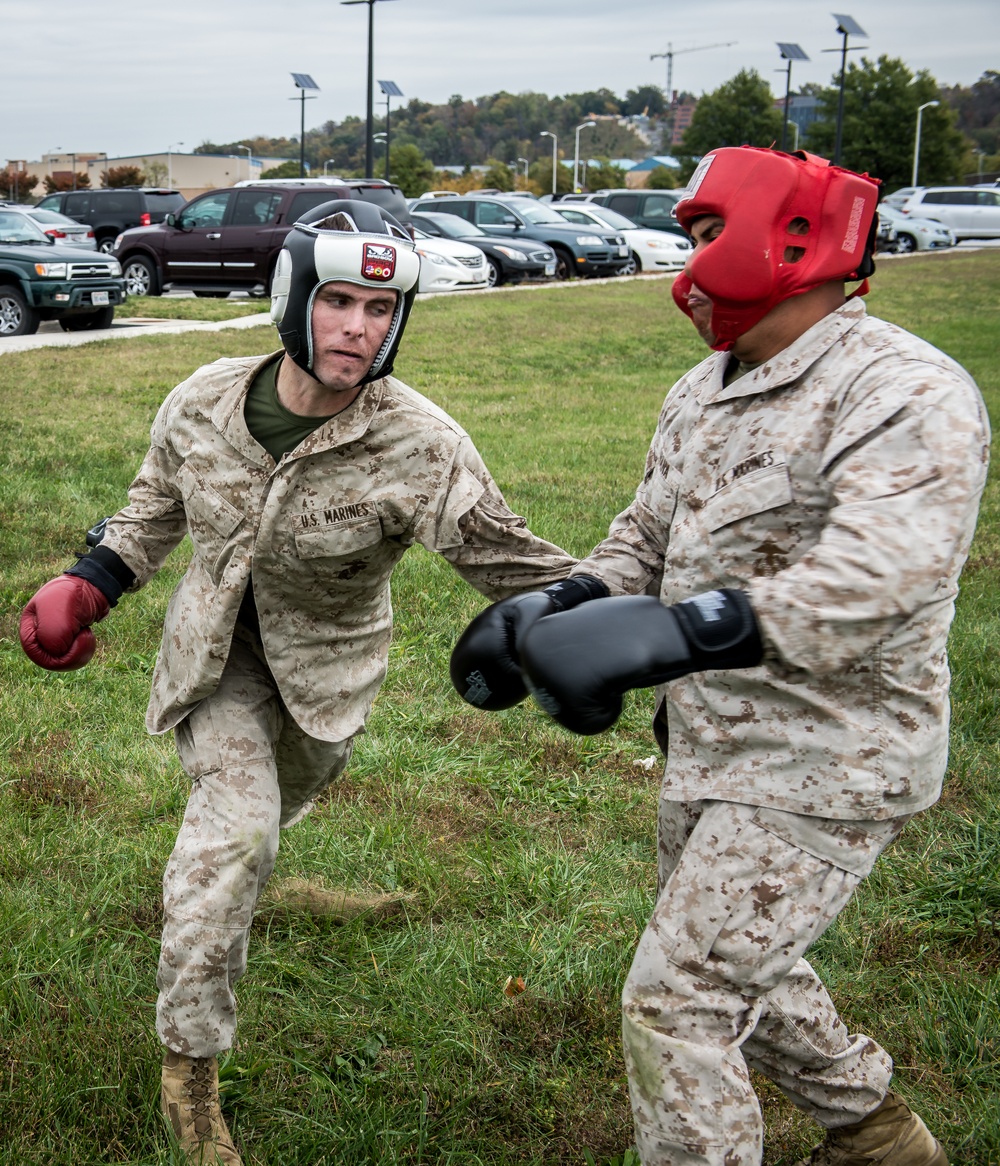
[[771, 201]]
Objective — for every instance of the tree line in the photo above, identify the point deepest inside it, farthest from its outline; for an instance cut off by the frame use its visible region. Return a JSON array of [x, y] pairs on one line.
[[959, 138]]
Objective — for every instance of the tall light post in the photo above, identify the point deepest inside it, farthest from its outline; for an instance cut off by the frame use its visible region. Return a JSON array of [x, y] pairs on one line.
[[241, 146], [369, 151], [846, 25], [390, 89], [170, 162], [303, 82], [524, 163], [555, 159], [328, 162], [576, 155], [789, 53], [916, 141], [383, 139]]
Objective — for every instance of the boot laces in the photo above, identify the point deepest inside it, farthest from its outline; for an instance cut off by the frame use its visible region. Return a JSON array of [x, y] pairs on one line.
[[202, 1097]]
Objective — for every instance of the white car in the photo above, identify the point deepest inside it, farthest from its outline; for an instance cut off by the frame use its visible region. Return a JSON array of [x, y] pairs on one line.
[[65, 231], [915, 234], [649, 250], [447, 265]]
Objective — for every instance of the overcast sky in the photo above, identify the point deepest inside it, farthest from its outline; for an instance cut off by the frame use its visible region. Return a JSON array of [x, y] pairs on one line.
[[117, 77]]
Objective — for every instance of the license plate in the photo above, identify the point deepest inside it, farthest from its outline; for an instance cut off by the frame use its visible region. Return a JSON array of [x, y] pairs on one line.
[[98, 297], [623, 251], [550, 269]]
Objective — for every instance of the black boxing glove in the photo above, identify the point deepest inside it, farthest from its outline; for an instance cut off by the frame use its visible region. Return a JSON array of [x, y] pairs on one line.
[[485, 669], [578, 664]]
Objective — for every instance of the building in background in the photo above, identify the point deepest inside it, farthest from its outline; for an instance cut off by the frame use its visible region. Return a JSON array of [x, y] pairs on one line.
[[191, 174]]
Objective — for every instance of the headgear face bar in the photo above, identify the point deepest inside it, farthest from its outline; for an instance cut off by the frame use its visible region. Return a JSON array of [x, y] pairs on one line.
[[792, 222], [350, 241]]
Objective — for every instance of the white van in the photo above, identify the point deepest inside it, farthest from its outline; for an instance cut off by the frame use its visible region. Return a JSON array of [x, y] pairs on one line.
[[971, 212]]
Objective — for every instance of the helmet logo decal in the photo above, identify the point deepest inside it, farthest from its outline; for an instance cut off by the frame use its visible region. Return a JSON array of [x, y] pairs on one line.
[[854, 226], [379, 261]]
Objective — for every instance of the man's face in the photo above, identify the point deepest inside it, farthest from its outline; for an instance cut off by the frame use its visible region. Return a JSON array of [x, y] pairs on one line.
[[704, 232], [349, 325], [700, 307]]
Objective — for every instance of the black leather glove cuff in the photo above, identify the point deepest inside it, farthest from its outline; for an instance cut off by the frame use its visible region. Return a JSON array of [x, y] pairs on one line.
[[573, 591], [721, 630], [107, 571]]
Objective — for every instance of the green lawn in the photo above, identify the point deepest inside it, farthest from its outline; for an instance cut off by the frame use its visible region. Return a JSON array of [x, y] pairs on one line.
[[515, 849]]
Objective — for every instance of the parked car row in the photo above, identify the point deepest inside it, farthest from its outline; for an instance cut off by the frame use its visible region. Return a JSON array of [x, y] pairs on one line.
[[41, 280], [969, 212]]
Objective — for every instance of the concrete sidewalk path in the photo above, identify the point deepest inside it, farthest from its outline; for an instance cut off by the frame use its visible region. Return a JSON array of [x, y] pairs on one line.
[[52, 336]]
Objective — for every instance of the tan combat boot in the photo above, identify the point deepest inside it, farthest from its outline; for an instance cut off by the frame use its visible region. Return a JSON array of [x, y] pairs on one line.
[[891, 1135], [189, 1100]]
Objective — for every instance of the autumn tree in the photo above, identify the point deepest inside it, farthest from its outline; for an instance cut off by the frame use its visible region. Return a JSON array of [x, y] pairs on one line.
[[118, 176], [740, 112], [16, 185], [63, 181], [881, 99]]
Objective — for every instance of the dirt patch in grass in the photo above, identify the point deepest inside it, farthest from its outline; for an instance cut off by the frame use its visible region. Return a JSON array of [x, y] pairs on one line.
[[43, 774]]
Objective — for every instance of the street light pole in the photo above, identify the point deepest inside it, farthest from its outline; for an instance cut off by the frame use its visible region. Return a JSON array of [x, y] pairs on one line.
[[525, 163], [916, 143], [555, 160], [576, 155], [241, 146], [369, 151], [845, 26], [789, 53], [170, 163]]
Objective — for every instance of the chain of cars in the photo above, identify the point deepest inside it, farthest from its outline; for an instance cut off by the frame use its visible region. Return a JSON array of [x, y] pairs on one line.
[[149, 240]]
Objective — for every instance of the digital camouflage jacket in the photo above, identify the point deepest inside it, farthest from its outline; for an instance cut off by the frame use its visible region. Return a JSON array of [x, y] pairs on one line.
[[838, 484]]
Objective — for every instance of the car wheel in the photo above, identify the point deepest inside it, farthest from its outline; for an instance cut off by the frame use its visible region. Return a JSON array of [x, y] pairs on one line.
[[17, 316], [106, 245], [207, 295], [495, 276], [633, 267], [565, 268], [905, 244], [140, 278], [102, 318]]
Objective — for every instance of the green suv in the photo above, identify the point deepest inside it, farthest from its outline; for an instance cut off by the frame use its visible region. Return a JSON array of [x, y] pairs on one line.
[[42, 281]]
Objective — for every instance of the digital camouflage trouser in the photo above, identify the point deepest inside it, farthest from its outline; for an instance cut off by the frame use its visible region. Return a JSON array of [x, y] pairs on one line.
[[254, 772], [719, 983]]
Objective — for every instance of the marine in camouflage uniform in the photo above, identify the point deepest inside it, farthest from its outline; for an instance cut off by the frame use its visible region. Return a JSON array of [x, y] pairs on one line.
[[818, 503], [275, 642]]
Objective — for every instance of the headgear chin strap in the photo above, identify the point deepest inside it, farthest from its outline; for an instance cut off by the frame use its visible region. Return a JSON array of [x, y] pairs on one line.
[[350, 241], [792, 222]]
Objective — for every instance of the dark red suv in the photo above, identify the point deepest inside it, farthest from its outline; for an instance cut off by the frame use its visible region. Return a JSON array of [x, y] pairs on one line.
[[228, 240]]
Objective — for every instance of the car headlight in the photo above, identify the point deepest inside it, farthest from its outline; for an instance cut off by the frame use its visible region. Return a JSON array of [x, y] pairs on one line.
[[118, 242], [590, 240], [51, 270], [664, 245], [116, 267], [516, 256], [441, 260]]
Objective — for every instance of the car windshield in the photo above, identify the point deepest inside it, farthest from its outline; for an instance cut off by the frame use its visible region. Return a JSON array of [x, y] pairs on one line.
[[612, 218], [18, 228], [538, 212], [453, 226], [52, 217]]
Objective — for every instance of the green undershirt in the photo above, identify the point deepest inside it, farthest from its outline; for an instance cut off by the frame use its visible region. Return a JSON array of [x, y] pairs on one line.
[[276, 428], [279, 431]]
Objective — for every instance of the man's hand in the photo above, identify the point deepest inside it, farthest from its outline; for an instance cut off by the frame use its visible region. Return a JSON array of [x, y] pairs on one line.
[[579, 663], [55, 626], [485, 669]]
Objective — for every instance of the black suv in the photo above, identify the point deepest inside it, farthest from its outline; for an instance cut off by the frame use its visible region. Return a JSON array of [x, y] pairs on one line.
[[229, 239], [112, 211], [579, 250], [652, 209]]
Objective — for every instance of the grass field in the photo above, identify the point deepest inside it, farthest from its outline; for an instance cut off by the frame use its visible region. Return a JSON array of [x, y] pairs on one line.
[[506, 847]]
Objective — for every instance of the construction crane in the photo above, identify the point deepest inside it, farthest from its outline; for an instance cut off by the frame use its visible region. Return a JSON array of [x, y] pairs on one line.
[[670, 54]]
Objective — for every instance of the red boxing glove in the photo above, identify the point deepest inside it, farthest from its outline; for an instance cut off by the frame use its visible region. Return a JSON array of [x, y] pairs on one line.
[[55, 626]]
